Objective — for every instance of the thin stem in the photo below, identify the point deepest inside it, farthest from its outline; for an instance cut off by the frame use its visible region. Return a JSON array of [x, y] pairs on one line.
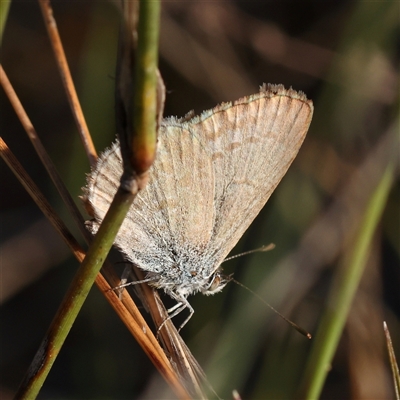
[[68, 83], [145, 97], [40, 200], [46, 160], [393, 361], [4, 8], [343, 291]]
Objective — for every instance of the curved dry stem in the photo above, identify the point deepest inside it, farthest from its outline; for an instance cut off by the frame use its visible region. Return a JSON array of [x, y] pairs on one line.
[[68, 83], [41, 151]]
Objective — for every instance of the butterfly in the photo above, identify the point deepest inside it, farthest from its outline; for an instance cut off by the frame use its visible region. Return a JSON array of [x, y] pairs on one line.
[[212, 175]]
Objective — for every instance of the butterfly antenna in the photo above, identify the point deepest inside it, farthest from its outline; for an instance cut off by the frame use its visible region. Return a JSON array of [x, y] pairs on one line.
[[294, 325], [267, 247]]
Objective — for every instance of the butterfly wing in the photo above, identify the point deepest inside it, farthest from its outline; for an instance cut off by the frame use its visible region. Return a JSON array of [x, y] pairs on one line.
[[170, 218], [252, 143]]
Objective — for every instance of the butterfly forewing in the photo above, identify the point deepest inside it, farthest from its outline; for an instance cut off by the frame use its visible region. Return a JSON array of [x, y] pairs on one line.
[[252, 143]]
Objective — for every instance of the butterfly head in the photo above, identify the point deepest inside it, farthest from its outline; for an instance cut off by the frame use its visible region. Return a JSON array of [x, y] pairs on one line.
[[216, 282]]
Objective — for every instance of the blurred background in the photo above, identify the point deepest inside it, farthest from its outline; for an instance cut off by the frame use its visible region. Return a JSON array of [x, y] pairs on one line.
[[345, 56]]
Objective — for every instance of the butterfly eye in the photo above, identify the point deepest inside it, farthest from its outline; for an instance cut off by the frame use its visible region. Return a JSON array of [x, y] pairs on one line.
[[216, 283]]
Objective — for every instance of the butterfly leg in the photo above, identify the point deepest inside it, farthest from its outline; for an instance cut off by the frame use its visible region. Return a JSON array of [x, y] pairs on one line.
[[172, 309], [181, 304], [123, 285], [191, 312], [179, 307], [175, 310], [127, 274]]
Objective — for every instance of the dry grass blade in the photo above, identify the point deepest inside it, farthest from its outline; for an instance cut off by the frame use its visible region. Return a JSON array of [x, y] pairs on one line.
[[67, 80], [46, 160], [132, 318], [393, 361], [191, 374], [39, 199]]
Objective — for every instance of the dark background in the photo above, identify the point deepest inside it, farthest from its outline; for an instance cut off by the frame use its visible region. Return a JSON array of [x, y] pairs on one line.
[[344, 55]]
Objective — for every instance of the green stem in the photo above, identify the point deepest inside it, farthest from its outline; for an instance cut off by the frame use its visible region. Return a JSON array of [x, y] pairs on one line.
[[104, 239], [4, 8], [343, 291], [144, 102]]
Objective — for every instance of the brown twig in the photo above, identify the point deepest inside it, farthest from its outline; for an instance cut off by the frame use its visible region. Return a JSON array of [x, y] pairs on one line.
[[41, 151], [69, 86]]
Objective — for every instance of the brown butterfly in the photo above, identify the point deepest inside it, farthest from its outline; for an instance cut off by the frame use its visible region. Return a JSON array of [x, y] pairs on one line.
[[212, 175]]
